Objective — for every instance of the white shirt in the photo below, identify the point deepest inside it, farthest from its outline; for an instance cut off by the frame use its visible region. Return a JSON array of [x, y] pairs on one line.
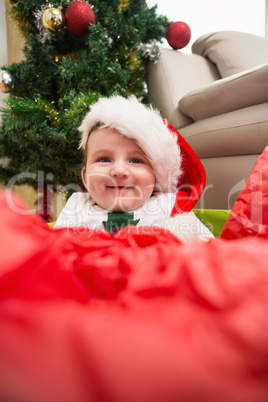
[[82, 213]]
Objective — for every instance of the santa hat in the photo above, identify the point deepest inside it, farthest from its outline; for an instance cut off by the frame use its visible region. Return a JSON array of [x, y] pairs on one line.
[[143, 124], [192, 180]]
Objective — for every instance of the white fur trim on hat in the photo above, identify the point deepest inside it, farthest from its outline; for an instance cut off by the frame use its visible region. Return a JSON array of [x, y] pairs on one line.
[[143, 124]]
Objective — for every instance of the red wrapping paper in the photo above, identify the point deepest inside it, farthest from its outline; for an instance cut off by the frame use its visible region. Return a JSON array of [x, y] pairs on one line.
[[129, 318], [249, 215]]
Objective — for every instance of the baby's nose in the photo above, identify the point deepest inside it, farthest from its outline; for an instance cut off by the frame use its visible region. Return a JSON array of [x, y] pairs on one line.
[[119, 169]]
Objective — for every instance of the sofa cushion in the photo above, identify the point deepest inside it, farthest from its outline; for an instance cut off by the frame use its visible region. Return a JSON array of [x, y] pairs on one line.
[[232, 51], [241, 132], [228, 94]]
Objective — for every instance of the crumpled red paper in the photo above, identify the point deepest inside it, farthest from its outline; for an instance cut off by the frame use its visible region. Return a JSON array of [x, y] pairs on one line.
[[129, 318], [249, 215]]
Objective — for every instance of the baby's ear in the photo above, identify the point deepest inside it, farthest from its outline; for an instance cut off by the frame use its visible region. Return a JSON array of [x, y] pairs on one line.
[[83, 175]]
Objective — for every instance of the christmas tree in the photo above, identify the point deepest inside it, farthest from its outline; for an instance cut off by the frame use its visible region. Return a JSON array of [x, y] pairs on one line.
[[75, 52]]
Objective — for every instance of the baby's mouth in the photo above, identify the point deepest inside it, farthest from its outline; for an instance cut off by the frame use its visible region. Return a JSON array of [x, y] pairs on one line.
[[120, 187]]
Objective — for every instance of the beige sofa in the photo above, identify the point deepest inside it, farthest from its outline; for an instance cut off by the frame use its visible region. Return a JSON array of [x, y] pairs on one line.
[[217, 97]]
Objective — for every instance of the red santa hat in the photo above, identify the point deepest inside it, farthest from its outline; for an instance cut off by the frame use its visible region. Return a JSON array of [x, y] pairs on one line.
[[167, 151]]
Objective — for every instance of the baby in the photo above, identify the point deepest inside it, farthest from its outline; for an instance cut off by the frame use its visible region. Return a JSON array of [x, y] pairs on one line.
[[132, 164]]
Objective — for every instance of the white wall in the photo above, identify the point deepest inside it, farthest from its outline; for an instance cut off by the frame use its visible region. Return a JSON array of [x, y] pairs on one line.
[[3, 43], [204, 16], [3, 36]]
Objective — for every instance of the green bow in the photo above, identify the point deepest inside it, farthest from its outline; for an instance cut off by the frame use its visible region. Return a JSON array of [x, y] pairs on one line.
[[118, 220]]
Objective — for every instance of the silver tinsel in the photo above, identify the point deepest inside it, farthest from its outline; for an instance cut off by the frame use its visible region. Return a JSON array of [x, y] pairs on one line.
[[150, 50], [45, 35]]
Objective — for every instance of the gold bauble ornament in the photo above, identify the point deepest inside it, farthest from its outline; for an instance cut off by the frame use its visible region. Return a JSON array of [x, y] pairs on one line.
[[53, 19], [11, 1]]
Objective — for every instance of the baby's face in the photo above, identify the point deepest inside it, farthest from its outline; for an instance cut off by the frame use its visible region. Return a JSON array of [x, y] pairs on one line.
[[117, 174]]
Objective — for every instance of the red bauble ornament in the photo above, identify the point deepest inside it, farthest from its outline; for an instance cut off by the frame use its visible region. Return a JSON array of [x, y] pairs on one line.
[[178, 35], [79, 16]]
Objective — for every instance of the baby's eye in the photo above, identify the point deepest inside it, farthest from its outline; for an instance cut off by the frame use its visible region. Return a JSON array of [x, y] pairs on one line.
[[104, 159], [135, 160]]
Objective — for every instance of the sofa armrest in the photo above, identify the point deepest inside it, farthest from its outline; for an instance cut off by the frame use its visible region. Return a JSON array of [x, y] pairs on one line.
[[232, 93], [174, 75]]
